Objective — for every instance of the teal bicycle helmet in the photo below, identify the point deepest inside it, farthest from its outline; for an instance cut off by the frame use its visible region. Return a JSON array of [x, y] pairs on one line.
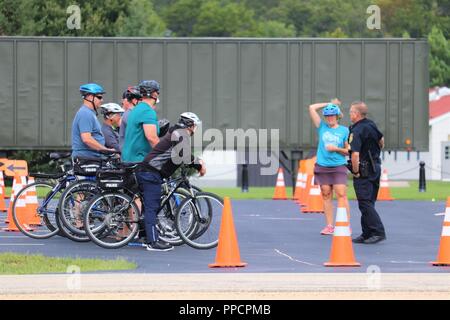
[[331, 110]]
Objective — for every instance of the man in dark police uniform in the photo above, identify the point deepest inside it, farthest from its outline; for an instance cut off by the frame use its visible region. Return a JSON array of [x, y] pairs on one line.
[[366, 142]]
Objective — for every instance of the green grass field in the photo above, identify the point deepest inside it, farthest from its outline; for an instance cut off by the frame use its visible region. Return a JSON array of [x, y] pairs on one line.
[[436, 190], [12, 263]]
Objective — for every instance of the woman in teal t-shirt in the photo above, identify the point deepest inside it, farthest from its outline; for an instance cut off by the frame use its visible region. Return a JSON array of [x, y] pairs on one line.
[[330, 171]]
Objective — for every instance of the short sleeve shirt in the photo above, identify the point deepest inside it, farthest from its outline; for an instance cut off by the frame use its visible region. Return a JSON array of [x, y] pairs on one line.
[[86, 121], [334, 136], [136, 145], [123, 127], [111, 137], [364, 137]]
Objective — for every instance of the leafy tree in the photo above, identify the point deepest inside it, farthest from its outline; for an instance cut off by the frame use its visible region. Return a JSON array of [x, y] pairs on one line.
[[273, 29], [224, 19], [440, 58], [142, 21], [10, 17], [181, 16]]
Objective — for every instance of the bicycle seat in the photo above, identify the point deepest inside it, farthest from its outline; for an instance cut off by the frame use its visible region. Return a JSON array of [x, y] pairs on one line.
[[109, 152], [129, 165], [47, 175], [60, 155]]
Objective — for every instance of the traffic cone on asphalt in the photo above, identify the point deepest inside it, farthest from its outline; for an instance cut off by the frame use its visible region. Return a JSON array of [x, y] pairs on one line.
[[443, 257], [384, 194], [20, 206], [298, 183], [2, 193], [227, 254], [14, 189], [341, 247], [307, 179], [32, 205], [280, 187], [314, 202]]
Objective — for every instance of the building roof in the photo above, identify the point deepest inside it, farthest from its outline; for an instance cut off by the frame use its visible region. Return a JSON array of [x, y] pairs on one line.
[[439, 106]]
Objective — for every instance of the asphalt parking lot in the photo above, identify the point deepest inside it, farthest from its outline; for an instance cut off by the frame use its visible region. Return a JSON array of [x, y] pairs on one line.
[[274, 237]]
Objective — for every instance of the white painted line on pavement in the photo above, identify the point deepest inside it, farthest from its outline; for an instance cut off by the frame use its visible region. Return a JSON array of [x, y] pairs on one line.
[[290, 258], [13, 237], [440, 214], [21, 244], [409, 261], [302, 219]]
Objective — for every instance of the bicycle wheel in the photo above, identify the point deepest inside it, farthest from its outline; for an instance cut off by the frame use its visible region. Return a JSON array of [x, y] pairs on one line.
[[37, 221], [166, 220], [66, 233], [205, 217], [111, 220], [73, 205]]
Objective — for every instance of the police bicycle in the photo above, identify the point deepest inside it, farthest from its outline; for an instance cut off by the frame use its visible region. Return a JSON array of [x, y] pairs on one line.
[[115, 212]]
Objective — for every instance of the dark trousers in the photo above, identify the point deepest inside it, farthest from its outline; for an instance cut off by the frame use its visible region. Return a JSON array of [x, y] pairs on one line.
[[366, 190], [150, 185]]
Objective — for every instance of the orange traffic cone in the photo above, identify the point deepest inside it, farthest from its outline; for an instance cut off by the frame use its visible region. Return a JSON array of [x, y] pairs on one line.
[[307, 179], [20, 207], [384, 194], [2, 193], [443, 258], [33, 218], [227, 254], [298, 183], [303, 178], [280, 187], [14, 189], [341, 247], [314, 201]]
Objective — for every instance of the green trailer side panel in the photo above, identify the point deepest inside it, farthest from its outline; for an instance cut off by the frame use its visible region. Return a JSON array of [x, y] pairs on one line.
[[230, 83]]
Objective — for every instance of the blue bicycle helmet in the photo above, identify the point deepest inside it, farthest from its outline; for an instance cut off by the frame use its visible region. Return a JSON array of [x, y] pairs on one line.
[[331, 110], [91, 88]]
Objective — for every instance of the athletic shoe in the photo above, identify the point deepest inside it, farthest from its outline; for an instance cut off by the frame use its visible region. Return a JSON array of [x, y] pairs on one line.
[[159, 246], [328, 230]]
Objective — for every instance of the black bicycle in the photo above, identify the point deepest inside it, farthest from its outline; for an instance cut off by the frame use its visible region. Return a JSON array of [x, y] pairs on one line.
[[44, 215], [113, 218]]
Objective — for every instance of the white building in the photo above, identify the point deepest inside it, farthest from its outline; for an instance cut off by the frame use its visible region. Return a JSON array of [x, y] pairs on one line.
[[405, 166]]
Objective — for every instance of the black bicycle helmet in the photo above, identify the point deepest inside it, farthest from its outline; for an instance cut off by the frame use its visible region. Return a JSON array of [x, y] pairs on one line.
[[132, 92], [164, 125], [147, 87]]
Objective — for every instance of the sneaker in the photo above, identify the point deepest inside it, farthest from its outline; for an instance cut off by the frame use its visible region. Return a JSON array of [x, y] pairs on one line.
[[159, 246], [328, 230]]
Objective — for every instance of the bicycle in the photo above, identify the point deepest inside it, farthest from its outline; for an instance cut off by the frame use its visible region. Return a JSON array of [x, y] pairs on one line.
[[48, 195], [77, 195], [115, 215]]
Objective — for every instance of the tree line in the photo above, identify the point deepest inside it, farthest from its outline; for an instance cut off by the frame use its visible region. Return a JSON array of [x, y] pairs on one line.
[[239, 18]]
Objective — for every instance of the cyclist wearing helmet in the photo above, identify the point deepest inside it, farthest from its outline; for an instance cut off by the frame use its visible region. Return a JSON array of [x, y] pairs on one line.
[[131, 98], [112, 114], [173, 150], [87, 137], [142, 128], [330, 171]]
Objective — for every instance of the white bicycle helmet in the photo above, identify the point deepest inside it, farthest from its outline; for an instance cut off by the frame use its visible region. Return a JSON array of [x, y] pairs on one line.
[[189, 119], [111, 108]]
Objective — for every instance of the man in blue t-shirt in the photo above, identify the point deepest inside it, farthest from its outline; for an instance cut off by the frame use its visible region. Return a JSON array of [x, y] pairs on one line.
[[142, 129], [87, 137]]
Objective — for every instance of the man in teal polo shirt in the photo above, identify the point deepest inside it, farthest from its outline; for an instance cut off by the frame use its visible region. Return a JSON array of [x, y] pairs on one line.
[[142, 129]]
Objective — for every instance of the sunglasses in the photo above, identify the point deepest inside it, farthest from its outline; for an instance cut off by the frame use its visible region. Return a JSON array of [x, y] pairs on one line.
[[99, 97]]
